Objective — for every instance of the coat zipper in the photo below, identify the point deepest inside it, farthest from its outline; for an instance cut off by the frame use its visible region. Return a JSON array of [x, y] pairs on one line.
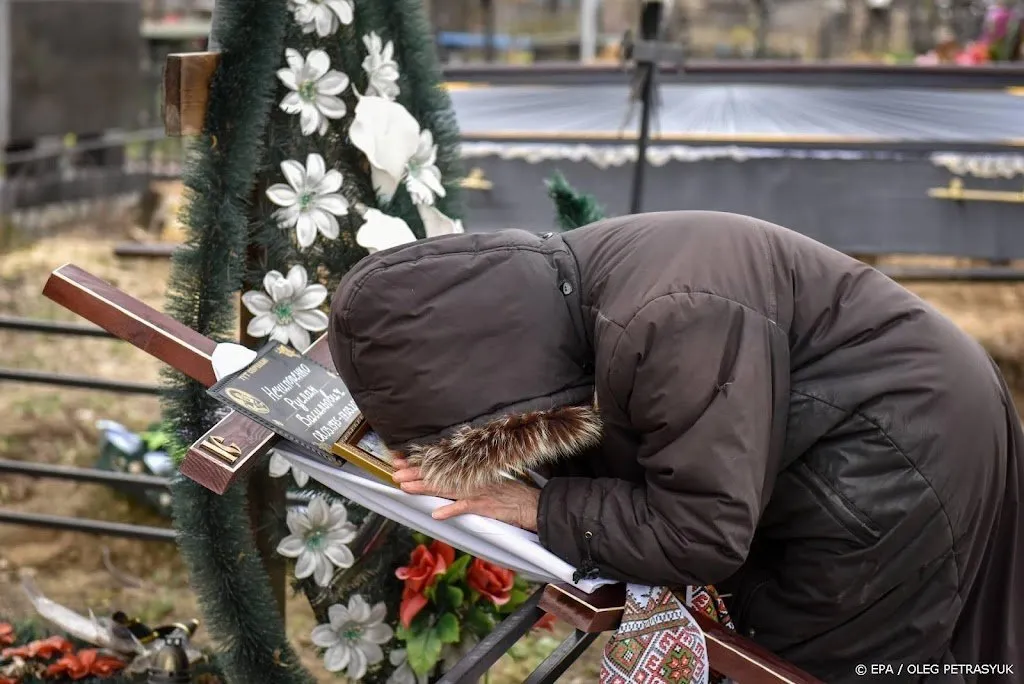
[[588, 570], [852, 520], [741, 615]]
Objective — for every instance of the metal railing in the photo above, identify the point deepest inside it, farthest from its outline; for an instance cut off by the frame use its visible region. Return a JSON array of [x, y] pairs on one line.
[[47, 471], [108, 478], [64, 380], [93, 170]]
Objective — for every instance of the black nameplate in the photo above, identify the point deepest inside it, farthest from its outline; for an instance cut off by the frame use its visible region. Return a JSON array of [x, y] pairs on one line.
[[297, 398]]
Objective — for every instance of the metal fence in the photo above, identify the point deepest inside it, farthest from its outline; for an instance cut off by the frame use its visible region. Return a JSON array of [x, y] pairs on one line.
[[113, 479], [60, 181]]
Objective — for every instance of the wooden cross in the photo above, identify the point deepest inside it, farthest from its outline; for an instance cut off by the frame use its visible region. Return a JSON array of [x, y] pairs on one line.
[[187, 78], [235, 444]]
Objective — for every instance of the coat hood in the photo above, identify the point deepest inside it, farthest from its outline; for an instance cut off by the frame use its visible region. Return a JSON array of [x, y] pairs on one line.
[[468, 353]]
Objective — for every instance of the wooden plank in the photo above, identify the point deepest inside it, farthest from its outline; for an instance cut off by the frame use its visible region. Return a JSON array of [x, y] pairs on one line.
[[745, 662], [127, 318], [149, 250], [187, 78], [731, 654]]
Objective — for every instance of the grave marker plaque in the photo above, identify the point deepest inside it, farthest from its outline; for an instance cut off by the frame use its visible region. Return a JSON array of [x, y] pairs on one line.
[[305, 403]]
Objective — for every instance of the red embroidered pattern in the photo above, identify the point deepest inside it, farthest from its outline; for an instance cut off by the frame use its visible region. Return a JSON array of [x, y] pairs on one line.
[[659, 642]]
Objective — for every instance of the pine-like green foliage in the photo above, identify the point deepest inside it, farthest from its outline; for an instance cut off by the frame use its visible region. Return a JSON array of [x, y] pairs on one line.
[[233, 242], [207, 274], [572, 207]]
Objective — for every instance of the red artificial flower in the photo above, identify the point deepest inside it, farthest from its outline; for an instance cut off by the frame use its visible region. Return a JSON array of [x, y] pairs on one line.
[[412, 603], [975, 53], [9, 680], [43, 649], [6, 634], [85, 663], [492, 581], [547, 622], [426, 564]]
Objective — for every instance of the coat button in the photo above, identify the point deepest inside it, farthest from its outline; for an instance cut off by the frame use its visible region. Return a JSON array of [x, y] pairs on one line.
[[566, 288]]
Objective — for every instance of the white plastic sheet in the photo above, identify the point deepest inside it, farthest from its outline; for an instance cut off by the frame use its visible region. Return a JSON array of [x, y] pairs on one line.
[[495, 541]]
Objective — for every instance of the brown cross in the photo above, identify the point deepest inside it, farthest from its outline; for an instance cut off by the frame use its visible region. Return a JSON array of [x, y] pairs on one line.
[[232, 446]]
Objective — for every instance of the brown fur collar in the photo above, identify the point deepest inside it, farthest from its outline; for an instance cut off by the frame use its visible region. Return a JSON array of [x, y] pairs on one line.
[[476, 457]]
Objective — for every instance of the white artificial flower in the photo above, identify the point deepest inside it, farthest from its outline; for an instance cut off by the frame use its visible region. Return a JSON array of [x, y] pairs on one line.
[[314, 87], [290, 311], [435, 223], [310, 200], [353, 636], [423, 178], [319, 539], [389, 136], [380, 231], [279, 467], [380, 67], [322, 16], [403, 673]]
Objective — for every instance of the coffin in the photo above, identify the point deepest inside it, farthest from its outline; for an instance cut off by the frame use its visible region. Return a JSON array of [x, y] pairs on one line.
[[879, 164]]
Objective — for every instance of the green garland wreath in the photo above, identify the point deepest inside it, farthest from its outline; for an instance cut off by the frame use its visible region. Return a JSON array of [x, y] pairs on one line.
[[246, 139], [235, 243]]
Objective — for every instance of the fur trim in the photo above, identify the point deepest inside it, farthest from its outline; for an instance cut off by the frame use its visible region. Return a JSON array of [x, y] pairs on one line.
[[477, 457]]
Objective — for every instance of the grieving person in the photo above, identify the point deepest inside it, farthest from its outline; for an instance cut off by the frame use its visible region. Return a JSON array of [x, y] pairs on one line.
[[717, 400]]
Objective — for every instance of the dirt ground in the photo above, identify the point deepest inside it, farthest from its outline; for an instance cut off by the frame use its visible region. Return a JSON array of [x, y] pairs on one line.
[[54, 425]]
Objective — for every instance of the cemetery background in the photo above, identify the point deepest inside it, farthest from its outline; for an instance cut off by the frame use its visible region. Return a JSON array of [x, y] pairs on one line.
[[48, 425]]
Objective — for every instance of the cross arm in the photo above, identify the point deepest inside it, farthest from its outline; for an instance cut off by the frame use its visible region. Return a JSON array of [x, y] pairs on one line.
[[231, 447], [187, 78], [133, 321]]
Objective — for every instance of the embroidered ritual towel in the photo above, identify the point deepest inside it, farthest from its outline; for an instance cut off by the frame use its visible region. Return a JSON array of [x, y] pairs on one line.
[[659, 641]]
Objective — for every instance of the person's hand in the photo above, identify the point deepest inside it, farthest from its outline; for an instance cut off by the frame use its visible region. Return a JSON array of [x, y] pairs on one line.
[[510, 502]]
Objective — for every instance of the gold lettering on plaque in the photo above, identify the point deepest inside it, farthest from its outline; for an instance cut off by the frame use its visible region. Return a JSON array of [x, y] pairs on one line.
[[247, 400], [226, 452], [287, 351]]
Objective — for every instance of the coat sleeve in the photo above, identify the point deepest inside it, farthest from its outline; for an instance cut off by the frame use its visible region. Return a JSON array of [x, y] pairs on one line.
[[703, 383]]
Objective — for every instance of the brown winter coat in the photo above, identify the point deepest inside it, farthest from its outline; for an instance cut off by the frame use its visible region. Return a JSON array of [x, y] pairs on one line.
[[775, 417]]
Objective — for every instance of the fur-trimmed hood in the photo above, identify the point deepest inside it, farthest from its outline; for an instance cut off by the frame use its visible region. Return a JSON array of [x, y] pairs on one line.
[[468, 354]]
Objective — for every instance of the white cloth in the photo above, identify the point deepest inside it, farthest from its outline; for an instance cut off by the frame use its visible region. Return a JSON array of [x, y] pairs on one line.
[[503, 544], [228, 358]]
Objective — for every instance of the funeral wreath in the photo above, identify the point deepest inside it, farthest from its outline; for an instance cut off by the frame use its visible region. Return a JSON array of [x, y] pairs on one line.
[[328, 135]]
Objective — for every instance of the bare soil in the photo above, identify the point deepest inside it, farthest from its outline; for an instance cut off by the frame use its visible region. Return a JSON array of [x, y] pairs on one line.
[[57, 425]]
